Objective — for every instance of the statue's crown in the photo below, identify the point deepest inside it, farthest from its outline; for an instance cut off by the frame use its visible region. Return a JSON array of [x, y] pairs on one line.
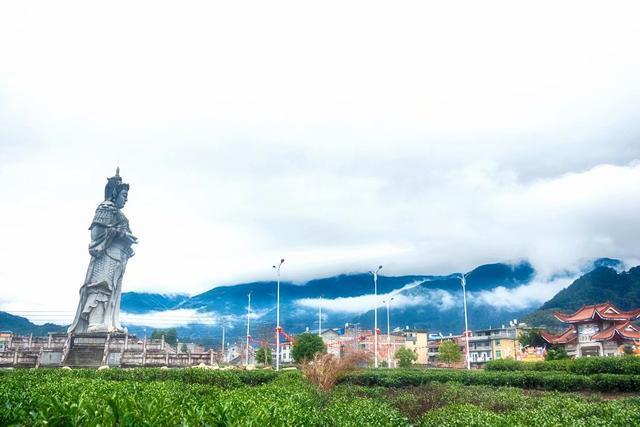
[[114, 186]]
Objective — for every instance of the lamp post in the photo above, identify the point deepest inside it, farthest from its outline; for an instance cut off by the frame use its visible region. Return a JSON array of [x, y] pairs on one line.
[[463, 282], [246, 354], [388, 333], [320, 317], [278, 315], [375, 316], [223, 345]]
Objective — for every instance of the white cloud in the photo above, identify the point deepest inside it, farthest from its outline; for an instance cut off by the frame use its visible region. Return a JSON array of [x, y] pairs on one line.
[[417, 136], [363, 303], [170, 318], [185, 317], [531, 295]]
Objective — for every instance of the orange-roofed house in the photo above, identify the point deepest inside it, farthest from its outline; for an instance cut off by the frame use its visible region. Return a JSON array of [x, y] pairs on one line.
[[597, 330]]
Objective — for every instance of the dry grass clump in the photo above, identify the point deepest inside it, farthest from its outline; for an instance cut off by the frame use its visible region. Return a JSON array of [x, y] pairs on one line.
[[325, 369]]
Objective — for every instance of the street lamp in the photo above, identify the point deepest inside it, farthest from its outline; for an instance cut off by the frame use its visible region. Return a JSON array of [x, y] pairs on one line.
[[463, 282], [320, 317], [223, 345], [246, 354], [375, 316], [278, 315], [388, 333]]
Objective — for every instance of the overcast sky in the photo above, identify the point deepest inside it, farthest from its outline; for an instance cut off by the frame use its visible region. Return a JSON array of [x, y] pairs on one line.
[[430, 138]]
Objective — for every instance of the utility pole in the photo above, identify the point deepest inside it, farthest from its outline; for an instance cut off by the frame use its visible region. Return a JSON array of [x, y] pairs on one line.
[[278, 329], [320, 317], [388, 334], [375, 316], [223, 345], [463, 282], [246, 357]]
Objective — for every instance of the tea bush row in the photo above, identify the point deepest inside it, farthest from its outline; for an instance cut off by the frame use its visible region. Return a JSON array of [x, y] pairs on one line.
[[553, 410], [561, 381], [627, 365], [454, 404], [224, 379], [59, 398]]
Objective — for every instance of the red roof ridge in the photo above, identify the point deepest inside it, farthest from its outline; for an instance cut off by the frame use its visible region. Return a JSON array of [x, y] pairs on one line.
[[587, 312], [563, 337]]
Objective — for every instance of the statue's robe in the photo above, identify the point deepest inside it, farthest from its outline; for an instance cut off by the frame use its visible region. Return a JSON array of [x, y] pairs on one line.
[[110, 249]]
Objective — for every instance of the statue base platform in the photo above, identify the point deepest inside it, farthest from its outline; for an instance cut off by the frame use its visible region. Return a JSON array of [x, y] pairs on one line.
[[90, 350]]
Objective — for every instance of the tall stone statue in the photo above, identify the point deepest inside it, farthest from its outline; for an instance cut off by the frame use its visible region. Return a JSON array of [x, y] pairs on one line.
[[110, 249]]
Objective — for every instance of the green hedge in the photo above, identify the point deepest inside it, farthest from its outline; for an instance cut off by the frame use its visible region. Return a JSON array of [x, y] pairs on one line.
[[223, 379], [628, 365], [551, 411], [561, 381], [199, 397], [132, 398]]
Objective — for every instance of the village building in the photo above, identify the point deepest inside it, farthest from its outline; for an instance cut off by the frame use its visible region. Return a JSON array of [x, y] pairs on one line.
[[331, 340], [416, 340], [596, 330], [436, 340], [484, 344], [496, 343]]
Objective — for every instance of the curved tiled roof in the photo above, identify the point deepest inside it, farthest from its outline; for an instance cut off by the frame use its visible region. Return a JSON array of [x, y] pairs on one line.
[[567, 336], [605, 311], [626, 330]]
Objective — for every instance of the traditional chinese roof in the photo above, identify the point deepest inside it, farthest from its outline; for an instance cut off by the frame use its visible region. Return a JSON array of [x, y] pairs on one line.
[[606, 311], [567, 336], [626, 330]]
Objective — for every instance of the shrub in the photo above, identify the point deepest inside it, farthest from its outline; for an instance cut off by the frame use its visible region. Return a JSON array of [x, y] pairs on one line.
[[325, 369], [263, 355], [581, 365], [562, 381], [405, 357], [557, 353], [353, 411], [306, 346], [502, 365], [449, 352], [462, 415]]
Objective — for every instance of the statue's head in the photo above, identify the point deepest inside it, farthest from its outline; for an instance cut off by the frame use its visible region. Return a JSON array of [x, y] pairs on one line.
[[116, 190], [121, 198]]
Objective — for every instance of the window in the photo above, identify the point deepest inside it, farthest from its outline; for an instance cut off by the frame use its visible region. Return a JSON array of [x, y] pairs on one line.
[[498, 343], [498, 354]]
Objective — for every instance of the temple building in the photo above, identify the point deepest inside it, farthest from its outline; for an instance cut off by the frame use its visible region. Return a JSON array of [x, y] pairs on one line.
[[597, 330]]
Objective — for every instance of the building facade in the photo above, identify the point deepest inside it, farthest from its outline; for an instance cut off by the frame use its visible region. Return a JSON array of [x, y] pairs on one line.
[[416, 340], [496, 343], [434, 348]]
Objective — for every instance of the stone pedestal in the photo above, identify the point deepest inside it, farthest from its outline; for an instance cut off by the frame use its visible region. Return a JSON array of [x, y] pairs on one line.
[[91, 350]]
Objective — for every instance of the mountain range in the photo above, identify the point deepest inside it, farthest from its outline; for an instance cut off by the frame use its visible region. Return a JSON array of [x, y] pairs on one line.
[[496, 294], [602, 284]]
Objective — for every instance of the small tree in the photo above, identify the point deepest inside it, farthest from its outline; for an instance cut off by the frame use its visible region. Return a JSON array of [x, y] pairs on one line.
[[263, 355], [531, 338], [449, 353], [405, 357], [183, 348], [306, 346], [556, 353]]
